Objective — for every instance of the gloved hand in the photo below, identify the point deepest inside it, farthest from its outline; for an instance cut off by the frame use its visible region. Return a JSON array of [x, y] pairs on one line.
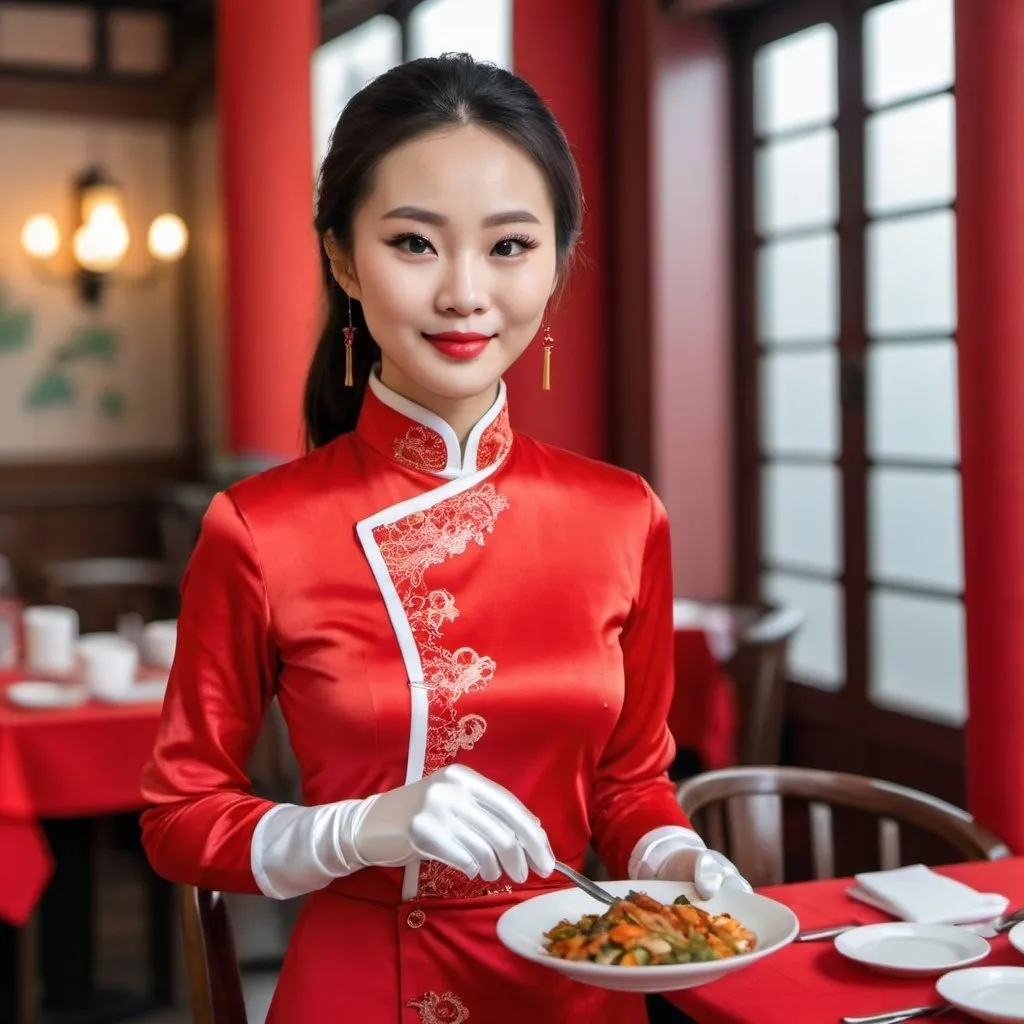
[[455, 816], [680, 855]]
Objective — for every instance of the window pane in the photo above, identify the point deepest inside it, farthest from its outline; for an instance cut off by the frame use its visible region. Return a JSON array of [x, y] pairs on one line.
[[800, 525], [918, 656], [912, 401], [914, 527], [800, 402], [795, 81], [816, 653], [911, 156], [908, 49], [480, 27], [798, 290], [912, 274], [797, 182], [343, 66]]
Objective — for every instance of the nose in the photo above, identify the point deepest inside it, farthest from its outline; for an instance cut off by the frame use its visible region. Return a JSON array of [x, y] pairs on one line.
[[463, 290]]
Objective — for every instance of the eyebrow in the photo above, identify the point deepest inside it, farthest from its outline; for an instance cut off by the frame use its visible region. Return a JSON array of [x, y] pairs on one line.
[[429, 217]]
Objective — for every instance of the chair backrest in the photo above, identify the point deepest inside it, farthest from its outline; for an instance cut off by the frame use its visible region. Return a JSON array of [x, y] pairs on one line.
[[182, 507], [102, 589], [214, 980], [739, 811], [758, 670]]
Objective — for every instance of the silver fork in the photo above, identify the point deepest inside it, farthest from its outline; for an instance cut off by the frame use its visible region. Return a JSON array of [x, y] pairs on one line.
[[589, 887], [896, 1016]]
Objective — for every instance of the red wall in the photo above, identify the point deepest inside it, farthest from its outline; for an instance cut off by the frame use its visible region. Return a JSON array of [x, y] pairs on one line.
[[559, 47]]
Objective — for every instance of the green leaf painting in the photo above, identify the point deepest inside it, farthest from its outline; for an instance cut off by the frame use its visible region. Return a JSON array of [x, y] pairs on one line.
[[112, 404], [50, 388], [15, 325], [91, 342]]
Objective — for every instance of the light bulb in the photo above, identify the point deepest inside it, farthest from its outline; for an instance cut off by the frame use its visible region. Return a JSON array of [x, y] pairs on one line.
[[40, 237], [100, 199], [168, 237], [100, 244]]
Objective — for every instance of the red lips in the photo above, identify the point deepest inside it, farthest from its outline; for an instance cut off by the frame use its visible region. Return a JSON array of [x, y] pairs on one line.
[[459, 344]]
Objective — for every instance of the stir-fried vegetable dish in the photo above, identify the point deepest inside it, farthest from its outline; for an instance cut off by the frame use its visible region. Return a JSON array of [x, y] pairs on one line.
[[639, 932]]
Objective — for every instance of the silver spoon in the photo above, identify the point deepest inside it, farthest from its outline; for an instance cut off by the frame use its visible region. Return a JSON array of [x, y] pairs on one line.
[[589, 887]]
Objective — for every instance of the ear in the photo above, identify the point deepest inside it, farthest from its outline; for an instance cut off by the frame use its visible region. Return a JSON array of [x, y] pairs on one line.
[[341, 266]]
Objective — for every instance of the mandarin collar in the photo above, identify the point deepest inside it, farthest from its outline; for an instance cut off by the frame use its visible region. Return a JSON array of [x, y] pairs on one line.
[[416, 438]]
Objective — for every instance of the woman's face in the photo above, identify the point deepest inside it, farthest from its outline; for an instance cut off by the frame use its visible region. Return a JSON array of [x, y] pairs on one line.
[[453, 261]]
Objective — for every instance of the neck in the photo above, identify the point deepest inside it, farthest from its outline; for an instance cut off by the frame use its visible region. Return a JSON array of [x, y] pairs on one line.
[[461, 414]]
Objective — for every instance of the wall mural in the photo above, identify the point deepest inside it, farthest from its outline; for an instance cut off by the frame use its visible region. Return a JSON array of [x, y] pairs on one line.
[[58, 382]]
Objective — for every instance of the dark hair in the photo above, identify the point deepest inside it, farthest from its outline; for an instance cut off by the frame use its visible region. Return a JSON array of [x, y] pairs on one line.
[[410, 100]]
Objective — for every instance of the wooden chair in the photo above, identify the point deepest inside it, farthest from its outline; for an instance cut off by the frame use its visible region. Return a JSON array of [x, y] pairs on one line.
[[758, 671], [182, 507], [214, 980], [102, 589], [739, 812]]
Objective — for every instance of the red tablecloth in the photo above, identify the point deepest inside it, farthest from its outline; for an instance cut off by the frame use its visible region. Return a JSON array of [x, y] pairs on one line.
[[810, 983], [64, 763], [703, 715]]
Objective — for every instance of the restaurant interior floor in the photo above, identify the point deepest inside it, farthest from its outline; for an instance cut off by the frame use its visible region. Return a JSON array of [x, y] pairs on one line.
[[260, 933]]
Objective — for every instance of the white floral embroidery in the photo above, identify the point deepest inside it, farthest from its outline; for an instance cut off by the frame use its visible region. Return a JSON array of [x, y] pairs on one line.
[[446, 1008], [410, 547], [421, 448]]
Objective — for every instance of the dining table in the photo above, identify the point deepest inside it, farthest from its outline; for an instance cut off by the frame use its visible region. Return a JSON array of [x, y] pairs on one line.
[[812, 983], [61, 768]]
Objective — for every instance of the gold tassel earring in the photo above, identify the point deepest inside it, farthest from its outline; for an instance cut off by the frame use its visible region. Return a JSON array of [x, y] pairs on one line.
[[549, 344], [350, 336]]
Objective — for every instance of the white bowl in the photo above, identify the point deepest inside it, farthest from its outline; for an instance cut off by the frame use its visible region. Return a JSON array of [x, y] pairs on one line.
[[522, 930], [992, 994], [908, 950], [158, 642], [1016, 937]]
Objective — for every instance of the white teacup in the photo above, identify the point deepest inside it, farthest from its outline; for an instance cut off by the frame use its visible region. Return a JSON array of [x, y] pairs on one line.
[[50, 634], [109, 663], [158, 642]]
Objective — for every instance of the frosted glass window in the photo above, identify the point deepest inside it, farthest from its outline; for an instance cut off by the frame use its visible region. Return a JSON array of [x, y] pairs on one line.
[[911, 156], [795, 81], [480, 27], [918, 656], [816, 652], [798, 182], [800, 522], [914, 527], [800, 402], [340, 68], [911, 271], [912, 401], [908, 49], [798, 290]]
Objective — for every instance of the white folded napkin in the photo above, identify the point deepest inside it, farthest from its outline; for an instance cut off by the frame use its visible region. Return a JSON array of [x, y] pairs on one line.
[[916, 893]]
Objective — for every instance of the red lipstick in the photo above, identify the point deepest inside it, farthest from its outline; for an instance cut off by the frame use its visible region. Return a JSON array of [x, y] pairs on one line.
[[459, 344]]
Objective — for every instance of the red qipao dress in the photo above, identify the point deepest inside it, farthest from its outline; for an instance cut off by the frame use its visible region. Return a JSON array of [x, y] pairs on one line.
[[410, 605]]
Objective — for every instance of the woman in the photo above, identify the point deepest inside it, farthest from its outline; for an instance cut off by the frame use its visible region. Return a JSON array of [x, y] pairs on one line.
[[468, 632]]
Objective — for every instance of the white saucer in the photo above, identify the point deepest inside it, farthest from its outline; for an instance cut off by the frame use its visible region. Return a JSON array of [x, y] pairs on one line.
[[907, 950], [142, 692], [1016, 937], [35, 694], [992, 994]]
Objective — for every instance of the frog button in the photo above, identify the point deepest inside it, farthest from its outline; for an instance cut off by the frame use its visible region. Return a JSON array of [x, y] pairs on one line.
[[416, 918]]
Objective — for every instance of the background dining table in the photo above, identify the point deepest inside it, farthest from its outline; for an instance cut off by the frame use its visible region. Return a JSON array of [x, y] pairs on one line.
[[811, 983], [59, 769]]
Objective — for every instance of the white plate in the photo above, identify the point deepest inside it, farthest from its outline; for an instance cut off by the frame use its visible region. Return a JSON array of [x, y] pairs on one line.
[[992, 994], [1016, 937], [522, 930], [35, 694], [907, 950], [142, 692]]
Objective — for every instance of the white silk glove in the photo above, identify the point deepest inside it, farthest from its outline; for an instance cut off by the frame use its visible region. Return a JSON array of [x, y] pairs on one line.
[[680, 855], [455, 816]]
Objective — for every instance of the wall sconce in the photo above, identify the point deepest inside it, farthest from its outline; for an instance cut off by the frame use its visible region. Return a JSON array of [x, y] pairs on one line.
[[100, 239]]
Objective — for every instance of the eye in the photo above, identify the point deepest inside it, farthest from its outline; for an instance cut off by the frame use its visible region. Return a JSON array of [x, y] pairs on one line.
[[415, 245], [514, 246]]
